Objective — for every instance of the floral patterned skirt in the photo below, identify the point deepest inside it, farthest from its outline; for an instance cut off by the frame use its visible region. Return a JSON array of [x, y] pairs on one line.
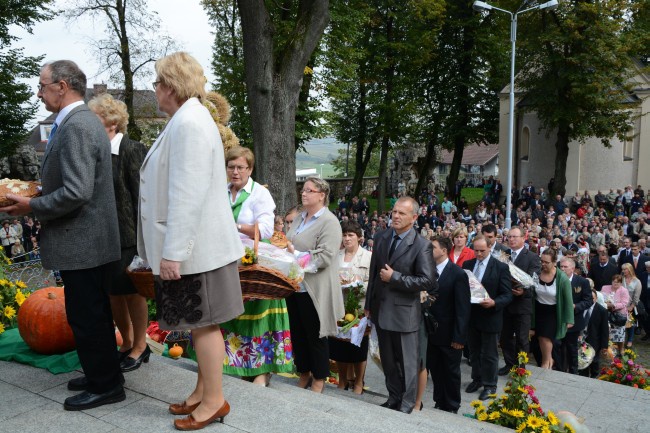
[[258, 341]]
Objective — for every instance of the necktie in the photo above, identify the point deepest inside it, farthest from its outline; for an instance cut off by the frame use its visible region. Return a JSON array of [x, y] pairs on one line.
[[393, 246], [636, 260], [513, 256], [477, 272], [49, 139]]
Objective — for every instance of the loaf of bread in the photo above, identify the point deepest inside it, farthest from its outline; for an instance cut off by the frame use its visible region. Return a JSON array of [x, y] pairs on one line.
[[23, 188]]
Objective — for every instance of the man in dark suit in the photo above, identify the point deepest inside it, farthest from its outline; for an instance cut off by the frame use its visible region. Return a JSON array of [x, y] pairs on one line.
[[582, 300], [602, 273], [451, 310], [489, 232], [80, 234], [486, 318], [636, 259], [597, 334], [517, 315], [401, 267]]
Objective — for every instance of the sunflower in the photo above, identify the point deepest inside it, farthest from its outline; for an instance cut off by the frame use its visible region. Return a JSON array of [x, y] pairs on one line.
[[494, 415], [9, 312], [517, 413], [552, 418], [21, 285], [476, 403], [523, 358], [521, 427], [535, 422], [569, 428], [481, 416], [20, 297], [2, 328]]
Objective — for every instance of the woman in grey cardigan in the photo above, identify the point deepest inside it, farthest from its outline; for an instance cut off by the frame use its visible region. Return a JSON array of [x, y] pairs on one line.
[[314, 310]]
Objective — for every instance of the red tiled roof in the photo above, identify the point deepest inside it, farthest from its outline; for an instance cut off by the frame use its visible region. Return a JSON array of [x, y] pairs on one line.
[[474, 154]]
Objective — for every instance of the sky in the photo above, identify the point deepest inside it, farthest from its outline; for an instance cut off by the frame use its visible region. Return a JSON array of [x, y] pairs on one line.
[[183, 20]]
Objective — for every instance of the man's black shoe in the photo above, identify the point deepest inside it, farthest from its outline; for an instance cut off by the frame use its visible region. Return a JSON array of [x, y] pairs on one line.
[[78, 384], [88, 400], [81, 383], [503, 371], [391, 405], [486, 393], [473, 387]]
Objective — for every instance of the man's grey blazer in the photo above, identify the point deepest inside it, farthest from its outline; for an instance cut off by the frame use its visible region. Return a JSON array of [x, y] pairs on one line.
[[77, 206]]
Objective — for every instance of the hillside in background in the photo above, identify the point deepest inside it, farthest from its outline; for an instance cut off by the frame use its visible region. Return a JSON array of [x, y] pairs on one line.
[[319, 151]]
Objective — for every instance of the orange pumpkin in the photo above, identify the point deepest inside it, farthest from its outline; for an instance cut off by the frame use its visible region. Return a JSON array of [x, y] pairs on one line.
[[43, 324], [118, 338], [176, 351]]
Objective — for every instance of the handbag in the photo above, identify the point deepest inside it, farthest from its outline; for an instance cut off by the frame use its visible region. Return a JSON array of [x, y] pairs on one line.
[[617, 319], [430, 322]]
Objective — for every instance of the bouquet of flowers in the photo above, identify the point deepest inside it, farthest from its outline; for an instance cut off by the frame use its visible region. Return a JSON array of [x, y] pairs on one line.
[[12, 296], [625, 371], [519, 408]]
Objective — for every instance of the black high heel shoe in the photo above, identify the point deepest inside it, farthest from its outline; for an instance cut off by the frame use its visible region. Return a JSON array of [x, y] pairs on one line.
[[130, 364]]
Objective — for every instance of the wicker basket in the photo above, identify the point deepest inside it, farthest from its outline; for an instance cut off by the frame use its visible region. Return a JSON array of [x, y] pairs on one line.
[[143, 282], [261, 282]]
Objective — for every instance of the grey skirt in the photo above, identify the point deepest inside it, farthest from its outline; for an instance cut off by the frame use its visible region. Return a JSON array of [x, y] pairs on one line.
[[199, 300]]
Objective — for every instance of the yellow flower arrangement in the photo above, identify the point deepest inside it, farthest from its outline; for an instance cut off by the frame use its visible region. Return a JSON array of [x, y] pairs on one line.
[[12, 296], [250, 258], [519, 408]]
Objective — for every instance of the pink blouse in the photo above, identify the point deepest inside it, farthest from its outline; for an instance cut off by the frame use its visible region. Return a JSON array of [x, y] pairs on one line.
[[620, 298]]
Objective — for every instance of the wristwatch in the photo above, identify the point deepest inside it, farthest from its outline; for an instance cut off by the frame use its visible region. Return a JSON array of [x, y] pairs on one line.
[[239, 227]]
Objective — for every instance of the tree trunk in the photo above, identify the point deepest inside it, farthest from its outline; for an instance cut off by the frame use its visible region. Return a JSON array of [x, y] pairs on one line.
[[383, 162], [362, 139], [454, 170], [273, 91], [426, 166], [134, 131], [561, 155]]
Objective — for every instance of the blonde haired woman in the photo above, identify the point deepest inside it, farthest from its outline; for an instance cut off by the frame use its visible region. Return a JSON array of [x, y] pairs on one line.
[[460, 252], [187, 233], [129, 308], [633, 286]]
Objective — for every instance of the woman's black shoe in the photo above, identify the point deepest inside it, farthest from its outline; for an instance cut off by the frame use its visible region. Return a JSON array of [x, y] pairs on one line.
[[130, 364], [121, 356]]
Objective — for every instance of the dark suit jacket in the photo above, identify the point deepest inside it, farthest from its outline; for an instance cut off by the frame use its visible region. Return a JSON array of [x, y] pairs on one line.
[[395, 305], [126, 182], [529, 263], [639, 269], [496, 280], [498, 246], [77, 205], [452, 308], [598, 328], [582, 299], [602, 276]]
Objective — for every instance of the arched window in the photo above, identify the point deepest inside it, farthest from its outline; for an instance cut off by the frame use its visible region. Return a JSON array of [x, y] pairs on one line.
[[524, 144]]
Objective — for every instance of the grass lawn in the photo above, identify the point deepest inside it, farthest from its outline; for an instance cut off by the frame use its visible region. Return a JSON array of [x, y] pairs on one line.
[[472, 195]]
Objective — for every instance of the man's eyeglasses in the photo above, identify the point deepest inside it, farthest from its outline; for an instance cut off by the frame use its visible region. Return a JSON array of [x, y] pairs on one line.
[[155, 84], [42, 86]]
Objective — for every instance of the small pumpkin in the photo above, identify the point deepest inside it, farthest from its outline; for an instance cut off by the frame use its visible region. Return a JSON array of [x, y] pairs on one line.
[[176, 351], [118, 338], [43, 324]]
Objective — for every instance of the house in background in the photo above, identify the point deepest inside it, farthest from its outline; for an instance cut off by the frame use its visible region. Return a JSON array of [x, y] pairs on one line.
[[590, 165], [479, 161], [145, 106]]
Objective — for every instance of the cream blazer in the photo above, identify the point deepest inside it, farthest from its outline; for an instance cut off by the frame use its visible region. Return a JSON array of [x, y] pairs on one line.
[[184, 214]]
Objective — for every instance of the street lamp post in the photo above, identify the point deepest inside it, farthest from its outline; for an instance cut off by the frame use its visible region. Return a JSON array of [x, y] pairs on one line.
[[321, 170], [483, 6]]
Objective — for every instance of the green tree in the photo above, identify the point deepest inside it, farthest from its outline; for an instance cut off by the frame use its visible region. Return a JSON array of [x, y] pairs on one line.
[[578, 59], [132, 41], [278, 43], [462, 67], [15, 109]]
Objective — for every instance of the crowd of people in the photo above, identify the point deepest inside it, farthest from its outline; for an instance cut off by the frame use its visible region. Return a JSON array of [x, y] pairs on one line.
[[20, 239], [416, 263], [589, 257]]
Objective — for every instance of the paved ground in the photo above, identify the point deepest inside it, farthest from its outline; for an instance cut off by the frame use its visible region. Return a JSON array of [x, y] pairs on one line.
[[31, 401]]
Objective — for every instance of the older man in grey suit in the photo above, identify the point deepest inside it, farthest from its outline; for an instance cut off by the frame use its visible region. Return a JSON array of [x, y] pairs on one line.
[[401, 267], [80, 234]]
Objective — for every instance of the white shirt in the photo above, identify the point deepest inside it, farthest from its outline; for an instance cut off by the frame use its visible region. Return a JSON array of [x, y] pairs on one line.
[[547, 295], [65, 111], [259, 206], [441, 266], [115, 143]]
